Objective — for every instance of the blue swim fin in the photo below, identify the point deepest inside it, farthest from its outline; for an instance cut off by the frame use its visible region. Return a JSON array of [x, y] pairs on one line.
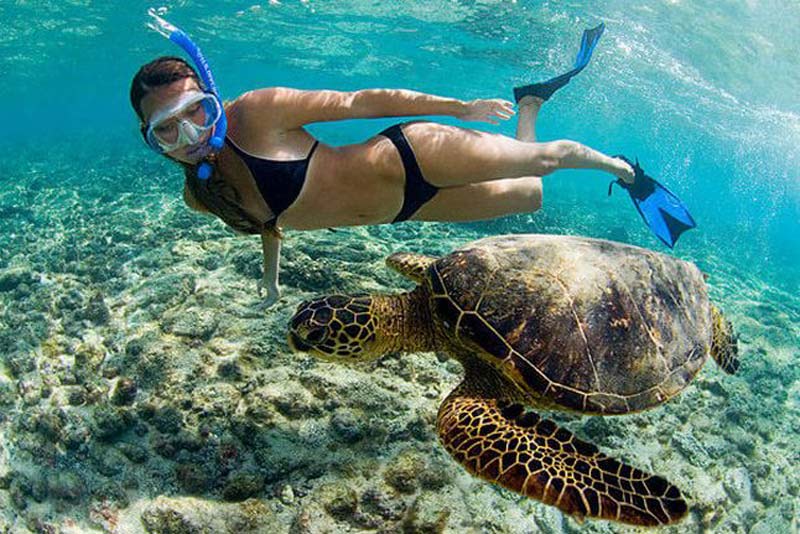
[[662, 211], [546, 89]]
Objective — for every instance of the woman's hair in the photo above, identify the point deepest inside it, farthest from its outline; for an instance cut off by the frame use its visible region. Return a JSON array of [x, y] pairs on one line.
[[161, 71], [223, 200], [213, 194]]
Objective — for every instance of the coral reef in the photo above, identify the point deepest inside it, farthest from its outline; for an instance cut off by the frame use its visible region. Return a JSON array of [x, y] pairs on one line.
[[143, 388]]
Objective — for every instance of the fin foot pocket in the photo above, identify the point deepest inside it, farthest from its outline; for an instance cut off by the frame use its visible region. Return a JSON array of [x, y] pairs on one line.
[[662, 211]]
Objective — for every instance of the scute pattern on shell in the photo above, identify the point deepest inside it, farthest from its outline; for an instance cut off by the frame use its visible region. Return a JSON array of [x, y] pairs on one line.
[[590, 325]]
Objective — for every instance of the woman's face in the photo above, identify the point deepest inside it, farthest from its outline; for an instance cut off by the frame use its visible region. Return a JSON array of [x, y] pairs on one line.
[[166, 96]]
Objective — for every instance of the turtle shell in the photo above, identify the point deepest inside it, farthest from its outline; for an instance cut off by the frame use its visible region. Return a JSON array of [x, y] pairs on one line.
[[587, 324]]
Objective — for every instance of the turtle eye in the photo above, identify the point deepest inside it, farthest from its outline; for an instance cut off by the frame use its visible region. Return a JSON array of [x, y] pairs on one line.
[[317, 335]]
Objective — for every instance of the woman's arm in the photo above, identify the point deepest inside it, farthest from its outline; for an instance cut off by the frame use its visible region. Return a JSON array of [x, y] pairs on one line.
[[271, 249], [291, 108], [402, 102]]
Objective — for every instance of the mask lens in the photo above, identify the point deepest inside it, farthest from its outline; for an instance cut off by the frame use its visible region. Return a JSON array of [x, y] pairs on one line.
[[166, 133], [205, 113], [170, 129]]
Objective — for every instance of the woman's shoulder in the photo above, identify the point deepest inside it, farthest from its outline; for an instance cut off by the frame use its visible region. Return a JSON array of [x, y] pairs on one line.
[[260, 98], [259, 108]]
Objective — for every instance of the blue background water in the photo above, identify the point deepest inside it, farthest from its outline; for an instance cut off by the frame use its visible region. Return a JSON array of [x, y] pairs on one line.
[[703, 92]]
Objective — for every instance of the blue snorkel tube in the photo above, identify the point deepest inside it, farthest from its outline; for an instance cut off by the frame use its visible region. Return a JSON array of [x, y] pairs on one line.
[[177, 36]]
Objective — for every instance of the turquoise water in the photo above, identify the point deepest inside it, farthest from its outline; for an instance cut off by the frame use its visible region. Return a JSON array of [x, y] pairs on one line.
[[700, 91], [703, 92]]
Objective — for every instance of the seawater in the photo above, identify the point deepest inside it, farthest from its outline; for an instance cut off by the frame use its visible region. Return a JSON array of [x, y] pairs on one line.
[[702, 92]]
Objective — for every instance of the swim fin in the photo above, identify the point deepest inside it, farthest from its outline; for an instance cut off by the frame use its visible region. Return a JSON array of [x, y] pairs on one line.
[[662, 211], [546, 89]]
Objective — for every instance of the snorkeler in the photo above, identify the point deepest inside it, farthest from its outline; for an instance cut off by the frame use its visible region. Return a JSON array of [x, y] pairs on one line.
[[267, 172]]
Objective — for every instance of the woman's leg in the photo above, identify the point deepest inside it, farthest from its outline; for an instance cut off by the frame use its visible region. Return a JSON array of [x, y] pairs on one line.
[[487, 200], [496, 198], [451, 156], [528, 112], [529, 107]]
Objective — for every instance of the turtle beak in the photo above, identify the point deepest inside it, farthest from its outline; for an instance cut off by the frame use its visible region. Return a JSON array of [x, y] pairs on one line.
[[297, 344]]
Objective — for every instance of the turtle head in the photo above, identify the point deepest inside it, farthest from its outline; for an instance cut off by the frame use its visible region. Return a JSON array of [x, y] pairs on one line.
[[336, 328]]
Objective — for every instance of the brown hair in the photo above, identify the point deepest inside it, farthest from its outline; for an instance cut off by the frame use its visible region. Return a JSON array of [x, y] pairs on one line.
[[161, 71], [223, 200], [215, 195]]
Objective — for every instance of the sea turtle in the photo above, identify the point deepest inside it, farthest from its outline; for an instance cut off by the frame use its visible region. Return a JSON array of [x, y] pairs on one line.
[[556, 322]]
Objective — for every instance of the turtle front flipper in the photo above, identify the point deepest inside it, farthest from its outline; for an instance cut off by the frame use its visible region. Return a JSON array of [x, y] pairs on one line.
[[412, 266], [500, 442]]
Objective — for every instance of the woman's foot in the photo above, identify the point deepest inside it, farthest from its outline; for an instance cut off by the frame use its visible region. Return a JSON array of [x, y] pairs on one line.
[[623, 170]]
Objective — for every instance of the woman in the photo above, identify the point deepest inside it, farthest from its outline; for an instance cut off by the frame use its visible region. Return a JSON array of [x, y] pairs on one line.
[[272, 174]]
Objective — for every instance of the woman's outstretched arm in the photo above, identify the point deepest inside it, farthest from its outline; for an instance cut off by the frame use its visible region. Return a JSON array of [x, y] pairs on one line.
[[292, 108]]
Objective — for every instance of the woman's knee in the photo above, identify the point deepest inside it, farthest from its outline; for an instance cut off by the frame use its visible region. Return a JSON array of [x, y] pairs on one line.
[[522, 195], [533, 193]]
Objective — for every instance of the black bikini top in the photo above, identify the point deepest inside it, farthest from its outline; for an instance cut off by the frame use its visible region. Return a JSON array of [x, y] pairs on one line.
[[279, 181]]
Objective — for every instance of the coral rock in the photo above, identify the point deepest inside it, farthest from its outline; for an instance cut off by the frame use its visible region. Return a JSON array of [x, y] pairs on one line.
[[124, 392], [242, 485]]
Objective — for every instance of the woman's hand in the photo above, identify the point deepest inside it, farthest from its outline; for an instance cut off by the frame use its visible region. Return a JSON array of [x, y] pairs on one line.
[[273, 293], [487, 110]]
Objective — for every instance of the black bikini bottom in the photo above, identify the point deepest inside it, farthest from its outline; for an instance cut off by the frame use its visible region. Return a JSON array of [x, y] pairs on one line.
[[417, 190]]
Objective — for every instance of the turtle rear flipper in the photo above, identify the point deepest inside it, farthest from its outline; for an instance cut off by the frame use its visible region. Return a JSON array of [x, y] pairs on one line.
[[724, 343], [498, 441], [412, 266]]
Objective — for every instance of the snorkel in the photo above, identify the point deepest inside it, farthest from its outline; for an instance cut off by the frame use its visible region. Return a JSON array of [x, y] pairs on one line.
[[177, 36]]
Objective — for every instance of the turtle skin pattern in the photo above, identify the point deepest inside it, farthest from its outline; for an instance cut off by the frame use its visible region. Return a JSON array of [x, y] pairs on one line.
[[412, 266], [338, 325], [501, 442]]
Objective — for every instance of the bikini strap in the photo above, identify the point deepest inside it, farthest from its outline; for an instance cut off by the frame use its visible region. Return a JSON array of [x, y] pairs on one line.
[[313, 148]]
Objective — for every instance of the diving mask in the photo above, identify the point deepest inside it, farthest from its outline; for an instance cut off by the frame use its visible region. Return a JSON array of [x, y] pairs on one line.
[[217, 138], [184, 122]]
